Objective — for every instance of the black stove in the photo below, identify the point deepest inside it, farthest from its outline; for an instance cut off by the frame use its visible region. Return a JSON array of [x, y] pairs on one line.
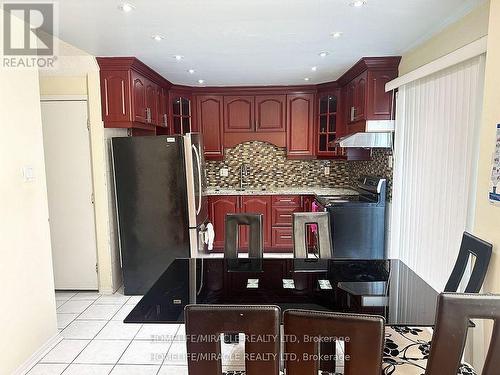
[[370, 190], [358, 221]]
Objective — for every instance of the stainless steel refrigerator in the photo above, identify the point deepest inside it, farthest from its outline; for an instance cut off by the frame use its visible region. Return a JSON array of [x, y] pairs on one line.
[[161, 205]]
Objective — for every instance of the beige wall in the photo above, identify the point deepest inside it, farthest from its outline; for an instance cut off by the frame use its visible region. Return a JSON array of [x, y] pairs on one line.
[[468, 29], [77, 73], [487, 218], [27, 303]]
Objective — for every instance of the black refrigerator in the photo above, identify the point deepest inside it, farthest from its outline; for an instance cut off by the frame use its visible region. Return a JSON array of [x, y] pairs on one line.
[[162, 210]]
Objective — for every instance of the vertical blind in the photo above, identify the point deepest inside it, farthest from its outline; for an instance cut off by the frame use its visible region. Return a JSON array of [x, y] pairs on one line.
[[435, 159]]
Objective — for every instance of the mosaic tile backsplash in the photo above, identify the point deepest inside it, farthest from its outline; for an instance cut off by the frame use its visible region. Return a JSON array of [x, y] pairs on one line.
[[269, 167]]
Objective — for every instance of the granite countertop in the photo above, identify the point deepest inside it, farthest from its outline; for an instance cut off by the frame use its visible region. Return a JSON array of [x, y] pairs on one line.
[[318, 191]]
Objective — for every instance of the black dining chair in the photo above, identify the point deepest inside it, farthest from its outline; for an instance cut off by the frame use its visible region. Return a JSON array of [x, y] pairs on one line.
[[256, 239], [321, 221], [444, 355], [362, 337], [207, 324], [414, 337], [480, 250]]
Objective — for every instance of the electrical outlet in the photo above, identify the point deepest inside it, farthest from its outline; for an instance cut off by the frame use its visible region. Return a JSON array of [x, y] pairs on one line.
[[390, 161], [224, 172], [327, 170]]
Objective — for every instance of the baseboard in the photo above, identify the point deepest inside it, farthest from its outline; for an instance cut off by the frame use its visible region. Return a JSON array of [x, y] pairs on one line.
[[38, 355]]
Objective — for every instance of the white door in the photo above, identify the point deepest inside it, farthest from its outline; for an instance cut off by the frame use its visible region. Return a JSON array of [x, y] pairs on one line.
[[69, 184]]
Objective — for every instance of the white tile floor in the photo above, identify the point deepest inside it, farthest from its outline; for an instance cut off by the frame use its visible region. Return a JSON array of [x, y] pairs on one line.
[[95, 340]]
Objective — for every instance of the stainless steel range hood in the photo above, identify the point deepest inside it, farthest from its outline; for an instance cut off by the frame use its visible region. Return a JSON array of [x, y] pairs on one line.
[[379, 134]]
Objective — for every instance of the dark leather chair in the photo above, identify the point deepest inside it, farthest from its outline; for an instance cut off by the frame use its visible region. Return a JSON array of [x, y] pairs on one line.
[[322, 222], [364, 338], [481, 250], [256, 239], [454, 311], [202, 321], [413, 337]]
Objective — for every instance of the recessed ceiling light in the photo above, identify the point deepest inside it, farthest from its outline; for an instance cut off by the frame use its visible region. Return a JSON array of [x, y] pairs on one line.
[[158, 37], [337, 34], [126, 7], [191, 71], [358, 3], [323, 54], [201, 81], [314, 68], [306, 79], [178, 57]]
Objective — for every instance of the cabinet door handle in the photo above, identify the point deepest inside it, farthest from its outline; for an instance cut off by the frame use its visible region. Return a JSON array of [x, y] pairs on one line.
[[285, 215], [286, 200], [286, 237], [165, 120], [353, 113]]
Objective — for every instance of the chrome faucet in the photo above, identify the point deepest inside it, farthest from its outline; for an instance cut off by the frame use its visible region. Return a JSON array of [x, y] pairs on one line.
[[244, 171]]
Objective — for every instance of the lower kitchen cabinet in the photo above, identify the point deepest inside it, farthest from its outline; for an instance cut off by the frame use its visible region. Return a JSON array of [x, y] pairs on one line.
[[277, 214], [257, 204], [282, 238], [219, 206]]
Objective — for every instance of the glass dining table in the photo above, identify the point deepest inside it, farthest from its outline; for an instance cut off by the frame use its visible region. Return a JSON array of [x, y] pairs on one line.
[[381, 287]]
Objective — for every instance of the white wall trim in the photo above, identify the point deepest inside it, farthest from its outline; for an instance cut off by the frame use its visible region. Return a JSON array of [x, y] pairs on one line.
[[465, 53], [45, 98], [38, 355]]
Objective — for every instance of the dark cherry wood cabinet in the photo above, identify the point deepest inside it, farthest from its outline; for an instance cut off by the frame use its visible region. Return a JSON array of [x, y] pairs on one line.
[[282, 238], [115, 91], [139, 98], [254, 113], [239, 113], [163, 112], [330, 125], [364, 91], [210, 121], [306, 120], [277, 211], [270, 113], [300, 126], [380, 105], [218, 207], [258, 204], [180, 108], [130, 93]]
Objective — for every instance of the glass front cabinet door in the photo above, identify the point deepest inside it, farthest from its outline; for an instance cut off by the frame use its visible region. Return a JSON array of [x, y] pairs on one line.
[[329, 129], [181, 114]]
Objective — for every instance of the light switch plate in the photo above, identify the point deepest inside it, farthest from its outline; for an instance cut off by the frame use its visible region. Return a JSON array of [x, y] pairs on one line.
[[224, 172], [327, 171], [28, 174]]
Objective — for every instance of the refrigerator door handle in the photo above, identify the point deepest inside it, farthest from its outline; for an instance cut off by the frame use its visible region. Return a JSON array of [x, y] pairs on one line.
[[200, 187]]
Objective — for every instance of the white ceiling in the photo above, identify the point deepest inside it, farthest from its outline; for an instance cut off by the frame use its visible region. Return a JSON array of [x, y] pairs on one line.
[[253, 42]]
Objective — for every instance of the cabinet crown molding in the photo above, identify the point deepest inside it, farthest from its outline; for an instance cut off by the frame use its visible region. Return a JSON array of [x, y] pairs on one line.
[[372, 63], [132, 63]]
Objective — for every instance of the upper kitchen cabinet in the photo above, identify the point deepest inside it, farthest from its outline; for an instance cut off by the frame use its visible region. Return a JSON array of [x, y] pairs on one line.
[[210, 120], [364, 91], [254, 116], [239, 113], [270, 113], [180, 104], [330, 125], [300, 126], [131, 94], [259, 113]]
